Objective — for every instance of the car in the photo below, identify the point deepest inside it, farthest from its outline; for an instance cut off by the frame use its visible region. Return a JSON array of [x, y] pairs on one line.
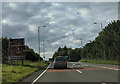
[[60, 62]]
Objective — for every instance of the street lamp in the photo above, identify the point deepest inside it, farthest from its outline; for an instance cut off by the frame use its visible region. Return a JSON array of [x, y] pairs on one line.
[[101, 40], [39, 40], [43, 48], [100, 24], [81, 43]]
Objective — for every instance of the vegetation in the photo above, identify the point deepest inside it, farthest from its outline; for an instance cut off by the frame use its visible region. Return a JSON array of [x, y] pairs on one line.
[[31, 55], [16, 72], [73, 56], [105, 47], [4, 49], [100, 61]]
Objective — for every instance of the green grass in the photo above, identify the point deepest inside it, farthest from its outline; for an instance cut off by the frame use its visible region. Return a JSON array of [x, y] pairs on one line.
[[16, 72], [99, 61]]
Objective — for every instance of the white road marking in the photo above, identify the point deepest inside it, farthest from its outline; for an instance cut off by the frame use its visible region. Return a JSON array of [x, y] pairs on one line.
[[105, 67], [82, 65], [79, 71], [73, 64], [40, 75], [86, 65], [104, 83], [110, 68]]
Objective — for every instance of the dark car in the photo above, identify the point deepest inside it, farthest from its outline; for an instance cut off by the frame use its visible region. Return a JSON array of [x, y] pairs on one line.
[[60, 62]]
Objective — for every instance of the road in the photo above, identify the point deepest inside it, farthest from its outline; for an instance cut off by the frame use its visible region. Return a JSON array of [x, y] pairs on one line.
[[79, 72]]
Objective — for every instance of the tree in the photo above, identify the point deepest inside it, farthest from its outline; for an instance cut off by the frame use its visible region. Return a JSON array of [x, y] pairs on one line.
[[4, 49], [31, 55], [106, 46]]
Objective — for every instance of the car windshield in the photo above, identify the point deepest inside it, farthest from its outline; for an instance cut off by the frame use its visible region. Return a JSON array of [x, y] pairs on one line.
[[60, 59]]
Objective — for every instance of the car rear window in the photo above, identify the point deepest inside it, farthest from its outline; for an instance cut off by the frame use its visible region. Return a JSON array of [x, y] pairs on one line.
[[60, 59]]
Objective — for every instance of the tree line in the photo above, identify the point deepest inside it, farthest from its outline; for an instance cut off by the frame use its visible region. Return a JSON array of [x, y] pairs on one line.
[[29, 52], [73, 54], [104, 47]]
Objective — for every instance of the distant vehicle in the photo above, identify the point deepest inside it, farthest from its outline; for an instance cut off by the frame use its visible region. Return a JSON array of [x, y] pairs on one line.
[[51, 59], [60, 62]]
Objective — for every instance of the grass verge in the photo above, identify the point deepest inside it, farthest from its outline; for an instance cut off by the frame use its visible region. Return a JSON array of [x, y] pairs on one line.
[[15, 72], [100, 61]]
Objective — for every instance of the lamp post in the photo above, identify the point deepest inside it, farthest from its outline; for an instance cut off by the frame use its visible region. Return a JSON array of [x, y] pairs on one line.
[[101, 40], [81, 43], [44, 48], [39, 40], [100, 24]]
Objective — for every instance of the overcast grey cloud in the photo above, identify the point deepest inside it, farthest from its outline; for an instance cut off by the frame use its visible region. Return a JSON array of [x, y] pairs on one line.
[[66, 23]]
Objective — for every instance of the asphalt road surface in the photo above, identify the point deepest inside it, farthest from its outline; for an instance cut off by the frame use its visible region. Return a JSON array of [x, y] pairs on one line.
[[77, 72]]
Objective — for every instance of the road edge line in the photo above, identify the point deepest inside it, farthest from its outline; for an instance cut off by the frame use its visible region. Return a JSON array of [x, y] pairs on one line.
[[111, 68], [107, 68], [79, 71], [41, 74]]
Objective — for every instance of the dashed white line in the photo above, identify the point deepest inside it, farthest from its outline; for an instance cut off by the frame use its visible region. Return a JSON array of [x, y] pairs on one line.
[[40, 75], [79, 71]]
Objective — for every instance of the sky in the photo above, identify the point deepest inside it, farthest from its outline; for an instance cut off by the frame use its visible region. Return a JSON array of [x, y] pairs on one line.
[[61, 24]]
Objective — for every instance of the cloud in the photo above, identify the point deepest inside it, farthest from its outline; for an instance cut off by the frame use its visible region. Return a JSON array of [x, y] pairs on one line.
[[12, 5], [66, 23]]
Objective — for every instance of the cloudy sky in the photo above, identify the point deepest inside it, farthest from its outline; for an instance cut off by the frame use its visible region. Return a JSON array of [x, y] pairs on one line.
[[67, 23]]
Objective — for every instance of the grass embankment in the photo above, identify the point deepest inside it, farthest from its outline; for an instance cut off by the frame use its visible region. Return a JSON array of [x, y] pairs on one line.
[[100, 61], [16, 72]]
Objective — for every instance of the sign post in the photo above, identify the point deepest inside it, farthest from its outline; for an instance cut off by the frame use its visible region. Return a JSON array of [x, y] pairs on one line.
[[16, 49]]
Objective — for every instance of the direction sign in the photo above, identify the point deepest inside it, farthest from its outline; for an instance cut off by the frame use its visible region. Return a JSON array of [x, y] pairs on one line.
[[16, 49], [15, 42], [16, 58]]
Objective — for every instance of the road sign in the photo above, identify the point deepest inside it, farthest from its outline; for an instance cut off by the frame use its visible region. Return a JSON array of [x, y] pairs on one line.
[[16, 49], [16, 42], [16, 57]]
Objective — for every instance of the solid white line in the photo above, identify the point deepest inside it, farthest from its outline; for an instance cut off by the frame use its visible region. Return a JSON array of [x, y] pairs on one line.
[[40, 75], [105, 67], [110, 68], [79, 71]]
